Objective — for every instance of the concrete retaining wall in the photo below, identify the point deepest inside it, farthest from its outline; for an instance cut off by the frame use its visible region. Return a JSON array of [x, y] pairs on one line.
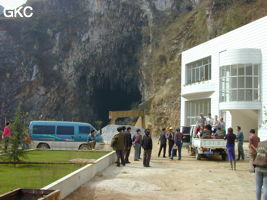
[[74, 180]]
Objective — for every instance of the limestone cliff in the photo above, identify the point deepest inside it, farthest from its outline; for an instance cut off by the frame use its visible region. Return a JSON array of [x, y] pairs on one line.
[[76, 60]]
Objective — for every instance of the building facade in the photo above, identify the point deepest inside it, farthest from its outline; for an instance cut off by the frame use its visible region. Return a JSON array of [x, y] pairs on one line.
[[227, 77]]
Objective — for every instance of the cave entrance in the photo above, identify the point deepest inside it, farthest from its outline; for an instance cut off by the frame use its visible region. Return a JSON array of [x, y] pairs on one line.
[[114, 98], [114, 115], [126, 121]]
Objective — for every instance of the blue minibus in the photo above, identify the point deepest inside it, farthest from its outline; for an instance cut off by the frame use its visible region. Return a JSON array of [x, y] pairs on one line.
[[61, 135]]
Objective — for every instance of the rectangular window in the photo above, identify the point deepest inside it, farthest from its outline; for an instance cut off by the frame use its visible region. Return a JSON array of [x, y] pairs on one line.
[[249, 95], [207, 75], [256, 69], [227, 95], [193, 75], [241, 95], [188, 74], [197, 74], [65, 130], [241, 70], [206, 61], [202, 72], [199, 70], [84, 129], [209, 68], [241, 82], [43, 129], [233, 82], [256, 95], [249, 70], [256, 82], [233, 95], [248, 82], [233, 70]]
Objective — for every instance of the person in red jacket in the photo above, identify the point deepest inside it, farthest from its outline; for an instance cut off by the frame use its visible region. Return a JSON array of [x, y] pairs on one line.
[[6, 135]]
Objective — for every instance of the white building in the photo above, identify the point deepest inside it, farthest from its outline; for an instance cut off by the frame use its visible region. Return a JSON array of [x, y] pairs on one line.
[[227, 76]]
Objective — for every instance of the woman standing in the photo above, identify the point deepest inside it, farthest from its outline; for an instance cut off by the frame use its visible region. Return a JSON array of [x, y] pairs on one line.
[[230, 145]]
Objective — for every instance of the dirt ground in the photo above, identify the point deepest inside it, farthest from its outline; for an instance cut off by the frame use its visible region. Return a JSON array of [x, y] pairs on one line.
[[207, 179]]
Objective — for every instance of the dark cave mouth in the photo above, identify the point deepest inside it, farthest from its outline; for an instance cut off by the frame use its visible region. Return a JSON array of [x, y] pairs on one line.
[[115, 99]]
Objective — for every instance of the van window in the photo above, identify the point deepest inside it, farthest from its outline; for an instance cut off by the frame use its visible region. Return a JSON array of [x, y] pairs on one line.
[[65, 130], [43, 129], [84, 129]]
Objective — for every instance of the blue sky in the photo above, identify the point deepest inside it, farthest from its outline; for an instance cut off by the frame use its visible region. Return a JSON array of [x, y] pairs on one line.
[[12, 3]]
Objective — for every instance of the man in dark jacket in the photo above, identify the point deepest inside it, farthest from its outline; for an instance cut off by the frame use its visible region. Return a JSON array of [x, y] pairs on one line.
[[178, 141], [128, 144], [240, 140], [147, 146], [170, 140], [137, 139], [162, 141], [118, 144]]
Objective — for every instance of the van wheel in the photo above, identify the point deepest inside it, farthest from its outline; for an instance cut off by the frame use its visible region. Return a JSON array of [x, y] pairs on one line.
[[43, 146], [84, 147]]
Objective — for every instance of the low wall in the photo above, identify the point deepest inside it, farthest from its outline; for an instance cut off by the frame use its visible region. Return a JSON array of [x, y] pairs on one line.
[[74, 180]]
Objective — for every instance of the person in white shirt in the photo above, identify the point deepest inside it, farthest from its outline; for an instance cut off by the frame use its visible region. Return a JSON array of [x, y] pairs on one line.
[[209, 120], [215, 121]]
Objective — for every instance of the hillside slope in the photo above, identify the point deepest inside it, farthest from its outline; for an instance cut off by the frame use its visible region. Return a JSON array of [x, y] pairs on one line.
[[207, 20]]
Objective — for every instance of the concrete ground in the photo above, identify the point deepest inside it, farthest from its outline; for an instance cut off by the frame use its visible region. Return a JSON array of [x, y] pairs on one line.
[[207, 179]]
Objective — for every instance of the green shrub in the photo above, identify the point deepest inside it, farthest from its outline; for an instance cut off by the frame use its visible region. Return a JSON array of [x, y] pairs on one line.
[[15, 152]]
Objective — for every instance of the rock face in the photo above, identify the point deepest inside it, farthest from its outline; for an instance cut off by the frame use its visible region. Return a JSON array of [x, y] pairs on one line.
[[76, 60]]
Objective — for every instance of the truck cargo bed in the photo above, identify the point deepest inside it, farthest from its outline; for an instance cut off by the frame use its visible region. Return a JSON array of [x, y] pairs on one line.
[[209, 143]]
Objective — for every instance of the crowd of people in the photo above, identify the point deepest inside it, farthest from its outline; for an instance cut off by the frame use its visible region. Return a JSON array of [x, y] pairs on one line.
[[174, 140], [123, 141], [209, 127]]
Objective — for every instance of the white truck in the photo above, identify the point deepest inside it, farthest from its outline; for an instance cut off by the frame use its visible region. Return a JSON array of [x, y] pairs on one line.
[[204, 147]]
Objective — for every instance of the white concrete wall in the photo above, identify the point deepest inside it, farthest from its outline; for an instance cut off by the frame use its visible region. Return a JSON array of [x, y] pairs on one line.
[[240, 56], [252, 35], [247, 123], [74, 180]]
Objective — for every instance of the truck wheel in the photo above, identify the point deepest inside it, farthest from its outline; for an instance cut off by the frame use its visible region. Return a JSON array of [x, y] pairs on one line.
[[84, 147], [192, 151], [198, 156], [43, 146], [223, 156]]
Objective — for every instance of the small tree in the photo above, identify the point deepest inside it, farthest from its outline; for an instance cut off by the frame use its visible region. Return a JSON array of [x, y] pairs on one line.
[[18, 130]]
